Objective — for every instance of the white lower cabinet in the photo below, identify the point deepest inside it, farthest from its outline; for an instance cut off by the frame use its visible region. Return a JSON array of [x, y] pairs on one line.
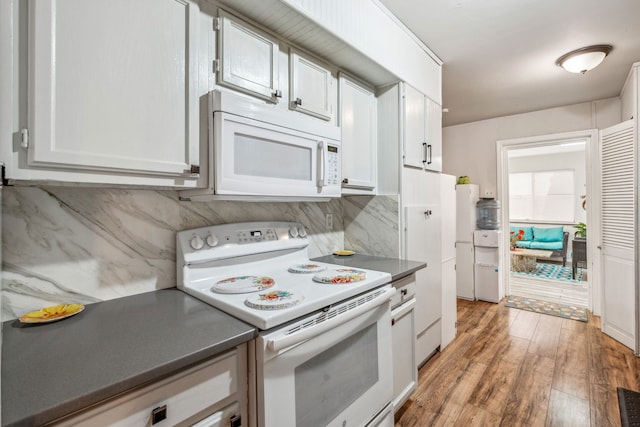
[[422, 233], [403, 331], [212, 393], [449, 305]]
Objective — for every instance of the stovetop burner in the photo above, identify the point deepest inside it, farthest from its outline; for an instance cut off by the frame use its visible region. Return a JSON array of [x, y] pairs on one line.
[[341, 276], [306, 268], [273, 300], [243, 284]]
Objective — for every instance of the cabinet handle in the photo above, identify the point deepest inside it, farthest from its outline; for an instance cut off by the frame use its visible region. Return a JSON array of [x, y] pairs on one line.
[[277, 93], [429, 149], [235, 421], [403, 292], [298, 102], [424, 152], [158, 414]]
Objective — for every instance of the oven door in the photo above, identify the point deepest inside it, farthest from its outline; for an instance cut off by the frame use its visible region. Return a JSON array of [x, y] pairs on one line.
[[257, 158], [337, 372]]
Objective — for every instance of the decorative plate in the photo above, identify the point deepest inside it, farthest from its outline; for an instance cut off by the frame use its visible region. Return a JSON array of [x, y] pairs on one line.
[[344, 252], [306, 268], [341, 276], [243, 284], [273, 300], [51, 314]]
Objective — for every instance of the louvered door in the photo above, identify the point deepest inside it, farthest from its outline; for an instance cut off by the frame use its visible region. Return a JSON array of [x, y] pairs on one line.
[[619, 230]]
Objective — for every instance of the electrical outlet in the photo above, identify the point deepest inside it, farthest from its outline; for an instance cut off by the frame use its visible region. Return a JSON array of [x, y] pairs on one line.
[[328, 221], [488, 193]]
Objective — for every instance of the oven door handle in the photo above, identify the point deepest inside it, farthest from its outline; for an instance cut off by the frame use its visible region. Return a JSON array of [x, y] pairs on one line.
[[279, 343]]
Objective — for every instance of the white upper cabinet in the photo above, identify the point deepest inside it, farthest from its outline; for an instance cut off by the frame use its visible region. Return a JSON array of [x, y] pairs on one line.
[[358, 124], [433, 134], [112, 93], [415, 145], [248, 59], [423, 131], [311, 87]]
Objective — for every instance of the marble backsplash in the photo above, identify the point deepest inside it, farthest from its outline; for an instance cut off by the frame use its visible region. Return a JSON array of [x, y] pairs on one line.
[[63, 244], [371, 225]]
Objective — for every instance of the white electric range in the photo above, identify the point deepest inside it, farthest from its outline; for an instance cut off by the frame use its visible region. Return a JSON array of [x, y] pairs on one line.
[[320, 323]]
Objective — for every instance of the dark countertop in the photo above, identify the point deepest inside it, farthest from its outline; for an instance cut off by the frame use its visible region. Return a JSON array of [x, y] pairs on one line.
[[50, 370], [398, 268]]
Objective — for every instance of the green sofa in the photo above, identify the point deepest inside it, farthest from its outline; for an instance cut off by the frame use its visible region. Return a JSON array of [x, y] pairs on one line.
[[547, 238]]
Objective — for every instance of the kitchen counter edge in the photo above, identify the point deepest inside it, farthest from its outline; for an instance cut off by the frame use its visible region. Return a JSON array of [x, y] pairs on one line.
[[143, 338]]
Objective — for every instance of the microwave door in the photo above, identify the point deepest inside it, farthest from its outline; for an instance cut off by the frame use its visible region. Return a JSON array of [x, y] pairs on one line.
[[256, 158]]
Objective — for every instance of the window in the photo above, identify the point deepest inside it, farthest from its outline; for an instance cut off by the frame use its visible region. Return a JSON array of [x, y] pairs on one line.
[[545, 196]]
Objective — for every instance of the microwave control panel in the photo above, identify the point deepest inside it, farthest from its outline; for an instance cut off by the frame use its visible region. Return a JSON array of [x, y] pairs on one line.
[[333, 165]]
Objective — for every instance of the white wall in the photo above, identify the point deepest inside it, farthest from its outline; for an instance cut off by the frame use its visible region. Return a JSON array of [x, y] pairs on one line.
[[470, 148]]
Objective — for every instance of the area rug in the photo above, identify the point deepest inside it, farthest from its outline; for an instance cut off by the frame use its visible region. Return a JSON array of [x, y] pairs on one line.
[[551, 308], [554, 272]]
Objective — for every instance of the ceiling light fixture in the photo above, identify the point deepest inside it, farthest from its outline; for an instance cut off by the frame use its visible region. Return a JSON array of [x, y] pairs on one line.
[[584, 59]]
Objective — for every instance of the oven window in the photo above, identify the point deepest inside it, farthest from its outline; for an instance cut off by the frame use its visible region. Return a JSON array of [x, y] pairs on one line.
[[272, 159], [327, 384]]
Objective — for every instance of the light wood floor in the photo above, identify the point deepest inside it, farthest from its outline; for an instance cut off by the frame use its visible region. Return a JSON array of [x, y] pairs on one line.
[[509, 367]]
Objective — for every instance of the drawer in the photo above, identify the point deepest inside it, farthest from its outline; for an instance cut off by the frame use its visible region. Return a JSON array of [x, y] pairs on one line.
[[193, 391], [405, 290]]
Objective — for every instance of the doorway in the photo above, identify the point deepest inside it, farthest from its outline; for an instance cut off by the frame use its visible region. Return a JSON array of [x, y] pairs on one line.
[[558, 211]]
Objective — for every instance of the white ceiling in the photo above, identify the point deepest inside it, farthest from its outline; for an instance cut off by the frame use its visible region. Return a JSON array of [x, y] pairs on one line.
[[499, 55]]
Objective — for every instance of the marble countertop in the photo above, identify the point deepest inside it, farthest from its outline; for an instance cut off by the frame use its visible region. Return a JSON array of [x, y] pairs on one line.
[[50, 370], [398, 268]]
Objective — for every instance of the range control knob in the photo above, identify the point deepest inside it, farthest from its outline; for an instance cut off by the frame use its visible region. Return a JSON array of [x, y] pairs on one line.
[[196, 242], [212, 240], [293, 232], [302, 232]]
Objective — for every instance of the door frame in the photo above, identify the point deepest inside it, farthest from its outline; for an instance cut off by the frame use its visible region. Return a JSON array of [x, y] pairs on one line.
[[592, 149]]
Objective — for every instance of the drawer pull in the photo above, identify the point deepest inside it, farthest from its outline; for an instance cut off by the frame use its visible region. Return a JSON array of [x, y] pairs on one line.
[[403, 292], [236, 421], [158, 414]]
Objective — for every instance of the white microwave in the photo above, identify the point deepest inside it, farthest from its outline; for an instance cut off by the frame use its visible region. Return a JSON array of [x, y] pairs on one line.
[[262, 152]]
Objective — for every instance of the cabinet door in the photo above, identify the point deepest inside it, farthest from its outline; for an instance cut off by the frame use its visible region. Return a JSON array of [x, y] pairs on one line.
[[433, 138], [423, 236], [358, 124], [203, 390], [311, 86], [465, 279], [403, 332], [248, 59], [113, 86], [415, 146], [449, 305]]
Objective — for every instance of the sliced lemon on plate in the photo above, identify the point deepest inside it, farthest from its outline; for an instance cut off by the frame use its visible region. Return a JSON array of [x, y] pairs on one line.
[[49, 314], [344, 252]]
